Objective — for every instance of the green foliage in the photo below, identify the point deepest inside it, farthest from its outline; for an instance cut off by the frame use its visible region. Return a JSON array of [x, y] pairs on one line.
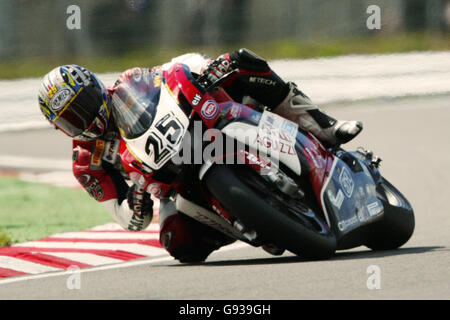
[[5, 240], [279, 49], [31, 211]]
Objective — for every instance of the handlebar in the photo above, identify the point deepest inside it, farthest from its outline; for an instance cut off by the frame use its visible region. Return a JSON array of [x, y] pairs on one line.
[[210, 87]]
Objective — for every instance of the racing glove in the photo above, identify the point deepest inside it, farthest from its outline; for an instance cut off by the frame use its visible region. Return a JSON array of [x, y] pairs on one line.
[[216, 69], [141, 204]]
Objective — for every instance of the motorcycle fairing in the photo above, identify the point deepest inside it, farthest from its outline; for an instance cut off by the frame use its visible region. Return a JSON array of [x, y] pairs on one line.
[[179, 80], [162, 139], [140, 174], [348, 196], [315, 160], [274, 137]]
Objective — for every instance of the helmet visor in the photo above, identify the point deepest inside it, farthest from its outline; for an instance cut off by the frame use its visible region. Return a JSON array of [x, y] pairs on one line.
[[82, 111]]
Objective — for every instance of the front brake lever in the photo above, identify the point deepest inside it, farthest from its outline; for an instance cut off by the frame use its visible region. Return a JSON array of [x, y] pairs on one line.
[[221, 80]]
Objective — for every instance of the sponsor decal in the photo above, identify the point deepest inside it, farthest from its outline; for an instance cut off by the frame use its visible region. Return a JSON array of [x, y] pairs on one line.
[[136, 223], [264, 81], [346, 181], [258, 161], [290, 128], [336, 200], [210, 109], [164, 138], [196, 99], [345, 224], [60, 99], [275, 144], [92, 186], [111, 151], [157, 80], [97, 155], [210, 222], [269, 120], [374, 208], [271, 134]]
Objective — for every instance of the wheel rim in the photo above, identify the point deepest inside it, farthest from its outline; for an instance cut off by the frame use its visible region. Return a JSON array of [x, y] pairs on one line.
[[293, 208]]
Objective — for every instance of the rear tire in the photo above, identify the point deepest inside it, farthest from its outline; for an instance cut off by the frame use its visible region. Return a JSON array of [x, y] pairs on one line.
[[255, 208], [397, 224]]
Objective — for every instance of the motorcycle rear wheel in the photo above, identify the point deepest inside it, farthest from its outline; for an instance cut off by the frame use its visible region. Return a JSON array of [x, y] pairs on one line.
[[276, 222]]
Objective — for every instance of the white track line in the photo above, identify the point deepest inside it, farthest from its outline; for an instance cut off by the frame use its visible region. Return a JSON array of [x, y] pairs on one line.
[[106, 235], [35, 163], [87, 258], [234, 246], [24, 266], [129, 247], [115, 227]]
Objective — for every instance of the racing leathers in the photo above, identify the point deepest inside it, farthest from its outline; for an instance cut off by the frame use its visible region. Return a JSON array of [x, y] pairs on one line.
[[97, 166]]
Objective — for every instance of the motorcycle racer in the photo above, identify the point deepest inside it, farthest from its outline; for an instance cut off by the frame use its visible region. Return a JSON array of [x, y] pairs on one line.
[[76, 102]]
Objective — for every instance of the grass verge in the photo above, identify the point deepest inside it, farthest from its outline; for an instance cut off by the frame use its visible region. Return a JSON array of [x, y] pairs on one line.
[[277, 49], [5, 240], [31, 211]]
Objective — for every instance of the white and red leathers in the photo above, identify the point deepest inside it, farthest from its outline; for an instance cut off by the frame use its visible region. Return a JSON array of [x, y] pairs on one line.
[[96, 165]]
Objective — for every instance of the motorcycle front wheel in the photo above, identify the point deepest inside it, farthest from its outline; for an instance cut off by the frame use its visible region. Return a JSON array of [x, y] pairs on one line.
[[288, 223], [397, 224]]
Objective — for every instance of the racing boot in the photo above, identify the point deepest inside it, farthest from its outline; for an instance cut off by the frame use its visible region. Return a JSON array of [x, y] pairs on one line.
[[298, 108]]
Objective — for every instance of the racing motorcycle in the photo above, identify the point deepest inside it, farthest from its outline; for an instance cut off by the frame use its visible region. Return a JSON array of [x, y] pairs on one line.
[[277, 187]]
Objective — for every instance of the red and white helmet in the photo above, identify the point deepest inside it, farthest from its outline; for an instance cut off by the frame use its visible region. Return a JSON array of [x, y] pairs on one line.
[[74, 100]]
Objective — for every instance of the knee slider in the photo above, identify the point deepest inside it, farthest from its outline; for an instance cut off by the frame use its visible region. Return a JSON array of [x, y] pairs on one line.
[[180, 237]]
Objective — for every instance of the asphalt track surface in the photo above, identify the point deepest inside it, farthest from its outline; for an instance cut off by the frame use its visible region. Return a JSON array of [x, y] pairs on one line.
[[412, 137]]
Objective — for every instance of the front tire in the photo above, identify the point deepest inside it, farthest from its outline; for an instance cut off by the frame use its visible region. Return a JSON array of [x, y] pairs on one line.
[[397, 224], [273, 220]]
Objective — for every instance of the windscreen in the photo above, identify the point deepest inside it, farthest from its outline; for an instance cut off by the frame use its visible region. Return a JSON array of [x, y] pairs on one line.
[[134, 103]]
